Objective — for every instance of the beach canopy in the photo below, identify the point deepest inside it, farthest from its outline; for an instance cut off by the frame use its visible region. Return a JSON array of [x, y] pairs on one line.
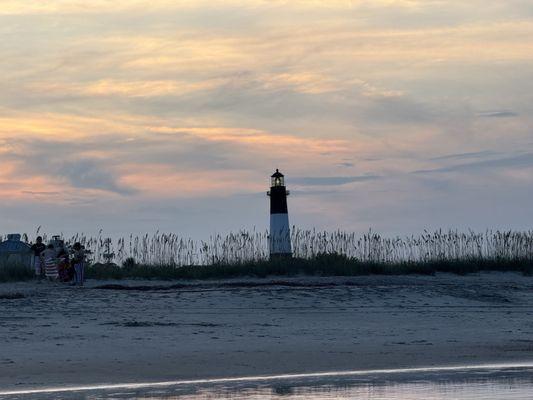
[[13, 251]]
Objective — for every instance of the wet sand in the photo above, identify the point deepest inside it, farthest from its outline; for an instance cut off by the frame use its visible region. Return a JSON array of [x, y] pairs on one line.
[[52, 335], [491, 382]]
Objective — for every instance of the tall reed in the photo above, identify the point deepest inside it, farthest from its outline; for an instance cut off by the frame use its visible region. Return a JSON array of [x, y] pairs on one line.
[[252, 246]]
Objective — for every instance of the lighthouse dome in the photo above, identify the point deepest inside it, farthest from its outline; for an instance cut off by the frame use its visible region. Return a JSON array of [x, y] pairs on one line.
[[277, 174], [278, 179]]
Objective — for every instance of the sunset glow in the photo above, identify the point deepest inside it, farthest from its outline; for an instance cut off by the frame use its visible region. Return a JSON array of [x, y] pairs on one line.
[[171, 115]]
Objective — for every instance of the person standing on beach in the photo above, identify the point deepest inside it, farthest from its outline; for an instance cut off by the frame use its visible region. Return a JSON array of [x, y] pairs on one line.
[[79, 263], [63, 266], [37, 249], [50, 263]]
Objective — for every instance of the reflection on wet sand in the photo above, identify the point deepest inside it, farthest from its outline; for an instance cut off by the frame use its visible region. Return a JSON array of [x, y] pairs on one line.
[[475, 382]]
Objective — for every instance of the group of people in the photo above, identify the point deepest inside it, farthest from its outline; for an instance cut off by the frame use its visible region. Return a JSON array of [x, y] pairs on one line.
[[59, 263]]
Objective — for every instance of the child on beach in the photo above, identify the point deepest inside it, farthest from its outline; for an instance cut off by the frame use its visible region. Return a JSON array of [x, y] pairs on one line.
[[63, 266], [50, 263], [37, 249], [79, 263]]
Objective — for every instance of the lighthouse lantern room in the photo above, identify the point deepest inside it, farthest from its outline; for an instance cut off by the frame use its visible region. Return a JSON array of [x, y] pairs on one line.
[[280, 235]]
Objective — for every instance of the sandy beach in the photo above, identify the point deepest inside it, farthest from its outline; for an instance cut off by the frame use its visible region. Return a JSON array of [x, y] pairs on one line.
[[55, 335]]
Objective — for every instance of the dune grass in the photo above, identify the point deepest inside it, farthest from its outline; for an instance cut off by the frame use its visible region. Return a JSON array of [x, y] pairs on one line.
[[252, 247], [316, 253]]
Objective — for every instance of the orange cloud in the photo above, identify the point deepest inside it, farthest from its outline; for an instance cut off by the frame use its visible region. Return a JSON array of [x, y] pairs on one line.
[[10, 7], [15, 186], [151, 179], [112, 87], [158, 181]]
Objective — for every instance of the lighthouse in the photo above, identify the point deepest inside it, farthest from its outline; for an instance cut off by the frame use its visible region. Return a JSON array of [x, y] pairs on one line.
[[280, 235]]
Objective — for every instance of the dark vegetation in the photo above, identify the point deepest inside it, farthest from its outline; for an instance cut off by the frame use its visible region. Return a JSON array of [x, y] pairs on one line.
[[321, 265], [12, 273]]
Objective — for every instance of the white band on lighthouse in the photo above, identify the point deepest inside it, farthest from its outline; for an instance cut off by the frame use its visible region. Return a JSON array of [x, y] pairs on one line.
[[280, 235]]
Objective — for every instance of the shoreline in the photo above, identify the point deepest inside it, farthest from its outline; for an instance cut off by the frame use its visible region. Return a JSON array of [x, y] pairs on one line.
[[56, 335], [447, 370]]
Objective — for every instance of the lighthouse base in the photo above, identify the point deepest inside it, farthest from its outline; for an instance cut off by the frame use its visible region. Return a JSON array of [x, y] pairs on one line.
[[280, 256]]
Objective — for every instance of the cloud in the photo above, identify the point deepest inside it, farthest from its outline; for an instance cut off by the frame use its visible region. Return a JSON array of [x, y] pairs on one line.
[[521, 161], [63, 164], [332, 181], [461, 156], [36, 193], [14, 7], [155, 160], [346, 164], [91, 174], [497, 114]]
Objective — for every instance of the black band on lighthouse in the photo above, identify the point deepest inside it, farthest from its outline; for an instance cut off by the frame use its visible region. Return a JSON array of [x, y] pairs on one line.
[[278, 200]]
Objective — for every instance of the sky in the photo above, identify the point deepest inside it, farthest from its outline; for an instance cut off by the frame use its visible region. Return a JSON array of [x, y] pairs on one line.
[[133, 116]]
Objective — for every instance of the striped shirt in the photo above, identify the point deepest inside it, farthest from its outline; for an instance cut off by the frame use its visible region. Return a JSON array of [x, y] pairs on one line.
[[50, 263]]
